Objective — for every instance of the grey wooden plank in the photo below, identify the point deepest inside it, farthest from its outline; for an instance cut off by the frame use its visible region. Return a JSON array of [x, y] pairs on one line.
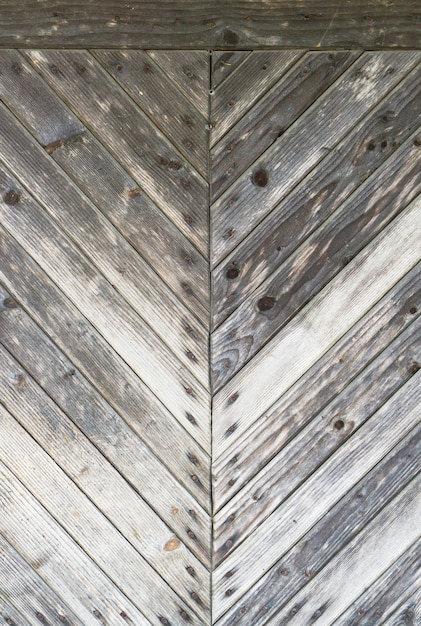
[[344, 104], [316, 328], [328, 430], [198, 25], [245, 85], [136, 510], [316, 497], [105, 182], [317, 261], [377, 605], [318, 195], [30, 594], [10, 615], [341, 524], [359, 564], [409, 614], [190, 71], [101, 365], [224, 63], [98, 101], [152, 360], [324, 381], [272, 114], [161, 100]]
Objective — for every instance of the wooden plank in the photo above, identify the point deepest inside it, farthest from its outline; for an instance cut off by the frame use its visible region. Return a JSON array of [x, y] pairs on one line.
[[409, 614], [106, 183], [59, 560], [318, 195], [318, 440], [161, 99], [190, 71], [359, 564], [319, 259], [197, 25], [316, 328], [320, 492], [101, 365], [324, 381], [245, 85], [381, 600], [344, 104], [124, 330], [317, 547], [135, 508], [272, 114], [27, 590], [224, 63], [136, 143]]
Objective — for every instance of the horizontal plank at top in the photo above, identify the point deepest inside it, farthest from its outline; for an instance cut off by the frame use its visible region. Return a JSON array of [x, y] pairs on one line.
[[197, 24]]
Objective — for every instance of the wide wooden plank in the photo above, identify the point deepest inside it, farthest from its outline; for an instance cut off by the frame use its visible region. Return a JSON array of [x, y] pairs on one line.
[[274, 113], [250, 199], [343, 522], [27, 590], [324, 381], [198, 25], [97, 100], [359, 564], [107, 184], [317, 196], [245, 85], [151, 359], [101, 365], [316, 328], [409, 614], [384, 597], [321, 257], [315, 443], [135, 507], [159, 97], [320, 492]]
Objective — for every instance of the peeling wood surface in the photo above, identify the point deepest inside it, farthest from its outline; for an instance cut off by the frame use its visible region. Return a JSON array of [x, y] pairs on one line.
[[210, 308]]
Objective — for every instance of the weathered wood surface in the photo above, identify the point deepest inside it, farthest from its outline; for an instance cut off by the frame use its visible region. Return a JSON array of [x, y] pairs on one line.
[[409, 614], [200, 25]]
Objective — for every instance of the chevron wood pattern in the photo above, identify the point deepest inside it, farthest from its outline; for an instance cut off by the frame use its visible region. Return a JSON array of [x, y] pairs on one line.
[[210, 337]]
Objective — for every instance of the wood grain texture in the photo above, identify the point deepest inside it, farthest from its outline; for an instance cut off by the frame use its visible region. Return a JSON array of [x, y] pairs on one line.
[[198, 25], [409, 614], [224, 63], [318, 195], [10, 615]]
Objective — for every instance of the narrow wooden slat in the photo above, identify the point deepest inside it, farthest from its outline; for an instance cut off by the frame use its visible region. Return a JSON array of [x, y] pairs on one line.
[[381, 600], [190, 71], [60, 562], [136, 517], [322, 256], [97, 100], [28, 591], [106, 183], [409, 614], [106, 309], [319, 194], [274, 113], [343, 522], [197, 25], [124, 270], [316, 328], [360, 88], [160, 99], [315, 443], [380, 544], [245, 85], [324, 381], [101, 366], [314, 499], [224, 63]]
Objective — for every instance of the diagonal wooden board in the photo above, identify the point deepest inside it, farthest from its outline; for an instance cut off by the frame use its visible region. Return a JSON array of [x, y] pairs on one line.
[[209, 335]]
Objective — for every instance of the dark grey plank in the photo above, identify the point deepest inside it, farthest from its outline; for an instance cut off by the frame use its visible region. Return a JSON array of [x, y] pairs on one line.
[[317, 196], [198, 25], [319, 386], [343, 522], [224, 63], [273, 114], [322, 256]]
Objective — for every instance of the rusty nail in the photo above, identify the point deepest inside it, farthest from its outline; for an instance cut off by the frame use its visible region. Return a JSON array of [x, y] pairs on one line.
[[146, 69], [229, 574], [417, 142], [413, 310], [191, 534], [123, 614], [228, 543], [265, 303], [191, 356], [96, 613], [260, 178], [234, 397], [371, 146], [230, 147], [193, 458], [12, 197], [339, 424], [163, 620], [39, 615], [229, 233], [119, 68], [231, 103], [17, 69], [232, 272], [187, 258], [234, 460], [264, 67], [186, 287], [133, 193], [294, 611], [183, 614], [231, 482], [284, 572], [194, 595], [228, 592], [54, 69], [82, 69], [192, 513], [231, 429], [190, 570], [186, 184], [228, 364], [188, 122], [191, 418], [189, 219], [194, 478]]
